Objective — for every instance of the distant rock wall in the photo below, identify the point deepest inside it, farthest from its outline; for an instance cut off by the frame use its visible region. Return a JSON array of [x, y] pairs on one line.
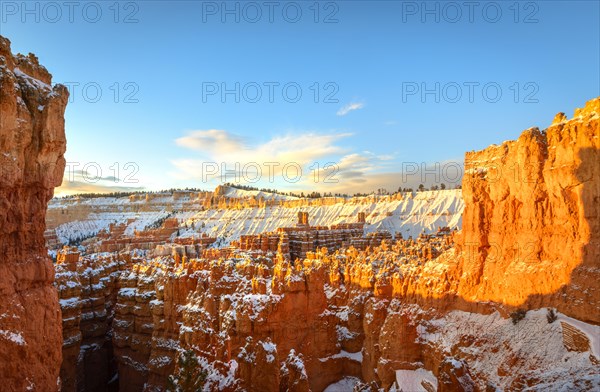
[[531, 225], [32, 145]]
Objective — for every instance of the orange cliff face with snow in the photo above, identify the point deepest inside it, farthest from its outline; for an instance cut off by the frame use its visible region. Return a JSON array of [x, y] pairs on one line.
[[531, 225], [32, 141]]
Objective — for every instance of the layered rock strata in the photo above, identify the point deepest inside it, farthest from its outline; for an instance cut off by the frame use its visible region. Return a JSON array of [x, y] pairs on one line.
[[531, 225], [32, 147]]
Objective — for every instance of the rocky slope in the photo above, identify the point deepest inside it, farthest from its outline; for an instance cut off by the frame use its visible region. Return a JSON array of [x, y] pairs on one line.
[[32, 144]]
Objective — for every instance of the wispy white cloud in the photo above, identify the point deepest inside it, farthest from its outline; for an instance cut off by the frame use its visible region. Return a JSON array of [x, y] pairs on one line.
[[326, 164], [374, 174], [214, 140], [230, 152], [80, 187], [79, 181], [221, 145], [349, 108]]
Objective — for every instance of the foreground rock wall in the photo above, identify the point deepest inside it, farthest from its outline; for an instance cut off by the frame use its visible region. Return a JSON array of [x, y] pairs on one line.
[[32, 144], [531, 225], [268, 325]]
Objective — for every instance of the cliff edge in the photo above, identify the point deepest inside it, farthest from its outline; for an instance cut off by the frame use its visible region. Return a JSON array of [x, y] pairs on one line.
[[531, 225], [32, 147]]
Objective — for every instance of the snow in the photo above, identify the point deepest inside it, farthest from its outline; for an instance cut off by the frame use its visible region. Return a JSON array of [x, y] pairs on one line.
[[69, 303], [412, 215], [269, 346], [343, 333], [411, 380], [357, 356], [535, 345], [415, 213], [97, 221], [160, 361], [346, 384], [128, 292], [258, 303], [271, 349], [30, 81], [217, 381], [128, 361], [14, 337], [242, 193], [329, 291]]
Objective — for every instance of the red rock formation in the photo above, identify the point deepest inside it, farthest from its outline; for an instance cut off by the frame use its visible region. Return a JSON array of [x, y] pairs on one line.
[[88, 293], [531, 226], [240, 316], [133, 326], [32, 144], [69, 291]]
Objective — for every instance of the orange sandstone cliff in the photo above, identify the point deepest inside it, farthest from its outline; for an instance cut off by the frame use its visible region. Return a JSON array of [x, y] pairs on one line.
[[531, 225], [32, 144]]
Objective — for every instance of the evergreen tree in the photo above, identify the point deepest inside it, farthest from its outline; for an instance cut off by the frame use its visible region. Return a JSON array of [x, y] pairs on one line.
[[189, 377]]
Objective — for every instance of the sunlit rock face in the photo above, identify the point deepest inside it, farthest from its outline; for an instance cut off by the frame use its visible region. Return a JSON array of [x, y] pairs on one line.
[[32, 145], [531, 225]]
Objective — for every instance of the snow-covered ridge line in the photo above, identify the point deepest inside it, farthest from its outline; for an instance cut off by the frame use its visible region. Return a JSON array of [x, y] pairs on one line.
[[409, 214]]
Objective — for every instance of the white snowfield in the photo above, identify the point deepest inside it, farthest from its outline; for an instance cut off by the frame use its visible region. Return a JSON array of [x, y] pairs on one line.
[[346, 384], [102, 220], [412, 215], [412, 380], [241, 193], [537, 344]]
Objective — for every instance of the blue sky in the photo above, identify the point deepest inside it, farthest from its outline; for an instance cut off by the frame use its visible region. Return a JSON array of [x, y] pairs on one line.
[[369, 64]]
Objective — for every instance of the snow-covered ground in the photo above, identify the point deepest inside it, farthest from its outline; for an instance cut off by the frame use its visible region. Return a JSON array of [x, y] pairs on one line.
[[96, 222], [425, 211], [591, 331], [535, 346], [346, 384], [413, 214], [413, 380], [241, 193]]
